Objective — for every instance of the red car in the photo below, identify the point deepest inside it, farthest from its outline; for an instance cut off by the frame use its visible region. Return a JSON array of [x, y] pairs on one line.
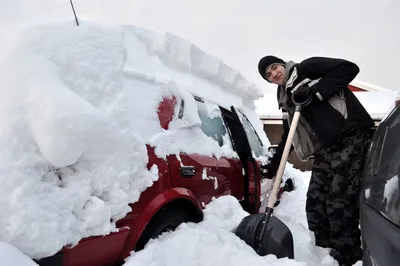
[[185, 185]]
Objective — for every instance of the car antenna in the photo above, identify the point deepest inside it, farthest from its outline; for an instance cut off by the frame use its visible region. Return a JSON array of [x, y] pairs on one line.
[[73, 10]]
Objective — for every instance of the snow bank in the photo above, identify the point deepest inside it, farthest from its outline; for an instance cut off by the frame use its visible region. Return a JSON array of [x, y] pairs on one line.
[[212, 241], [71, 162]]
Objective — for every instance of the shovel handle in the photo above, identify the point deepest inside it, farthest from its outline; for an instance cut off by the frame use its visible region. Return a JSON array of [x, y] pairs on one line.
[[285, 155]]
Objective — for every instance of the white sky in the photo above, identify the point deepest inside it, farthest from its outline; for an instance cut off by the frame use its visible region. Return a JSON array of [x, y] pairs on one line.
[[240, 32]]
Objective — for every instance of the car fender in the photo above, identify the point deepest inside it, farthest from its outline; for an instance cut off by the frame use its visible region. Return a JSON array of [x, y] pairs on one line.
[[150, 210]]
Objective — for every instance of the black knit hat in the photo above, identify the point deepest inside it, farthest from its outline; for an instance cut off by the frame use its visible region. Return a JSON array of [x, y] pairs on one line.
[[266, 61]]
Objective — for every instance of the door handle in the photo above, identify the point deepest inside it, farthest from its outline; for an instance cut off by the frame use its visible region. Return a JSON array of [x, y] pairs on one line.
[[188, 171]]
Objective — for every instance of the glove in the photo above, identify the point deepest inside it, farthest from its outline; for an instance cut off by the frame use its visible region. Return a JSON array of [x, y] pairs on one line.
[[302, 94]]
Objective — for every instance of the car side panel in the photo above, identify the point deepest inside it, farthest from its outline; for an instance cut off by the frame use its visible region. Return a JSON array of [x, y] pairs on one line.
[[211, 177], [382, 238], [151, 200]]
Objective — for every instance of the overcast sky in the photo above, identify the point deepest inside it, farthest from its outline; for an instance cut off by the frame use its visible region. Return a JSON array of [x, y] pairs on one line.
[[240, 32]]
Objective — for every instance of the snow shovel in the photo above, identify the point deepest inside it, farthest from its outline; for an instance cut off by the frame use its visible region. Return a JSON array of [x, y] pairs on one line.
[[265, 233]]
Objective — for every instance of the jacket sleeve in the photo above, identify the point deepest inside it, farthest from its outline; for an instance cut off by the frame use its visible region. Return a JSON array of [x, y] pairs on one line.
[[334, 74]]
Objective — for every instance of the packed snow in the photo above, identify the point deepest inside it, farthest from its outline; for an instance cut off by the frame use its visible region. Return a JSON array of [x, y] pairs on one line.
[[213, 242]]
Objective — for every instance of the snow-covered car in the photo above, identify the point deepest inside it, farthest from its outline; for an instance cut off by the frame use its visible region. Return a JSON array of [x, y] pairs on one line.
[[380, 194], [185, 184], [113, 135]]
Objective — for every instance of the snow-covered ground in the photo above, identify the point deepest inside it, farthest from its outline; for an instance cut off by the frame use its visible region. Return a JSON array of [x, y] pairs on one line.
[[73, 151], [212, 242]]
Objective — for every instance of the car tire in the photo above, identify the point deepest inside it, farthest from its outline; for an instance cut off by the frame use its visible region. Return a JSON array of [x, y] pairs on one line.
[[167, 219]]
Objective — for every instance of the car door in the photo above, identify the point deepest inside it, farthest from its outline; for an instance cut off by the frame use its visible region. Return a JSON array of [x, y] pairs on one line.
[[380, 195], [259, 187], [206, 175]]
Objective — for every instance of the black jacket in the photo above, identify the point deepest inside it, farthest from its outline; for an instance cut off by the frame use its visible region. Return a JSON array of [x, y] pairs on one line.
[[329, 124]]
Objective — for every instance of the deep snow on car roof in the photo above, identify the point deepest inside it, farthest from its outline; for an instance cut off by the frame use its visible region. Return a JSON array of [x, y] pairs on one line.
[[71, 160]]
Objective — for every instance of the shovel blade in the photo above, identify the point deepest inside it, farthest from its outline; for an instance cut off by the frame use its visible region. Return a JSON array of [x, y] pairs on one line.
[[277, 238]]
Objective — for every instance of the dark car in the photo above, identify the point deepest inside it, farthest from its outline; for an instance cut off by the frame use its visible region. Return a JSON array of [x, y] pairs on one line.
[[380, 194]]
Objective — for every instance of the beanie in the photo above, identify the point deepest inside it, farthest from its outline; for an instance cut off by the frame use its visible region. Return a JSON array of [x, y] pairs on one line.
[[266, 61]]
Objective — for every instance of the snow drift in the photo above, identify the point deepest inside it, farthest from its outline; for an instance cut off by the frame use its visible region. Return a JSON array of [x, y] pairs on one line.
[[72, 142], [212, 241]]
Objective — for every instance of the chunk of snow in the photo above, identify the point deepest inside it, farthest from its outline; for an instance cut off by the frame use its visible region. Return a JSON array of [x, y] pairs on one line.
[[391, 187], [205, 176], [367, 193]]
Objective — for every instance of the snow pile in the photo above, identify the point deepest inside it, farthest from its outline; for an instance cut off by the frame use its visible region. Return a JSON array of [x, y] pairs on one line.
[[71, 162], [10, 256], [212, 241]]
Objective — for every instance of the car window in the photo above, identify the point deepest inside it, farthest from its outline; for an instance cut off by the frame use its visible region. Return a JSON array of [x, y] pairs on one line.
[[383, 168], [254, 140], [212, 123]]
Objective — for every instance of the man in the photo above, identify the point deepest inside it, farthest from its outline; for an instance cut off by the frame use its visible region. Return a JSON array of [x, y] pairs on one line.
[[334, 128]]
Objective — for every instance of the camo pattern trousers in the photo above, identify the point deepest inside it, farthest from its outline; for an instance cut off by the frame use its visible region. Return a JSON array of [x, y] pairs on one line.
[[332, 205]]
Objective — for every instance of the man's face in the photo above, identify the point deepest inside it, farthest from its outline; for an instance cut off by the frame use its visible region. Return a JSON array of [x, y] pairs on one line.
[[275, 74]]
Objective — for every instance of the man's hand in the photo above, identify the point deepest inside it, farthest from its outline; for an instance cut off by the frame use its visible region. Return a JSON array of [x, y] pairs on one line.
[[302, 94]]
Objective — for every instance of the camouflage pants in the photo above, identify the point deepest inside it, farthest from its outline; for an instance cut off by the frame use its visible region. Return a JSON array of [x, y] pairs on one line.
[[332, 205]]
